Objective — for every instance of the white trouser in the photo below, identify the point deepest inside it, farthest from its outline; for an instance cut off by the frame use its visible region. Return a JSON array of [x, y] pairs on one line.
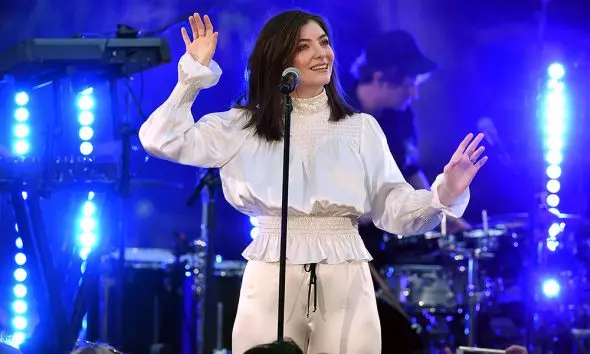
[[345, 322]]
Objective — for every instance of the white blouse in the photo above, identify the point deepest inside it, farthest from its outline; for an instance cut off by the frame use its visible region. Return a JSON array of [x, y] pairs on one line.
[[337, 172]]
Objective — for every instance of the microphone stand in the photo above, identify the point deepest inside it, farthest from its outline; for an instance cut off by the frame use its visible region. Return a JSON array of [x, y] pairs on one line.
[[288, 108], [206, 311]]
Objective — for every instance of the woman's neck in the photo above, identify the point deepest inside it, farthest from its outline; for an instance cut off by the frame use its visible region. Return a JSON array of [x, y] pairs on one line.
[[307, 92]]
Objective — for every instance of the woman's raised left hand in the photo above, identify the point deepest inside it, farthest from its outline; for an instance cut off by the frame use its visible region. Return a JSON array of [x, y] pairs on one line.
[[463, 166]]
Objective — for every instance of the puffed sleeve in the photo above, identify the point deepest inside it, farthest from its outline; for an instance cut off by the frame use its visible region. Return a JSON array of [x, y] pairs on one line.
[[396, 206], [171, 133]]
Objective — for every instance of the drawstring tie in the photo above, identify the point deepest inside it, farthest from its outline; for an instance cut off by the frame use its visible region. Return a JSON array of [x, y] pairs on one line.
[[313, 279]]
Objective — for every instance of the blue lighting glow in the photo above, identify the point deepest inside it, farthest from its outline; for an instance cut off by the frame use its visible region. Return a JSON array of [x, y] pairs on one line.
[[551, 288], [87, 223], [254, 231], [86, 104], [554, 120], [21, 131], [21, 147], [87, 228], [556, 71]]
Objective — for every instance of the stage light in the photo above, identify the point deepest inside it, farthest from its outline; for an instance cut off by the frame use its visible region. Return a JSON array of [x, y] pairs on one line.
[[20, 306], [20, 130], [553, 200], [20, 291], [21, 114], [85, 101], [255, 230], [21, 147], [21, 99], [86, 104], [20, 259], [553, 171], [17, 339], [85, 118], [87, 227], [554, 119], [556, 71], [87, 222], [86, 133], [19, 323], [551, 288], [554, 157], [553, 186], [20, 274], [86, 148]]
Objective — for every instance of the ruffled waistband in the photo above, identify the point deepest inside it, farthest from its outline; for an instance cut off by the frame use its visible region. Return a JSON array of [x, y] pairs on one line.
[[329, 240]]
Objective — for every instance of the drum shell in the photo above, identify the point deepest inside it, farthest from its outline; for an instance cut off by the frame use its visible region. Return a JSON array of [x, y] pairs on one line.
[[228, 281], [158, 307], [422, 286], [397, 333]]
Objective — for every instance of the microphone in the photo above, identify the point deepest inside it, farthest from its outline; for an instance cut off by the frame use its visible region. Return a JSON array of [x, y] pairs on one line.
[[290, 80]]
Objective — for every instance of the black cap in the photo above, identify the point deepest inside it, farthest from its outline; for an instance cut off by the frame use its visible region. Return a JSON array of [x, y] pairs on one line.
[[396, 49]]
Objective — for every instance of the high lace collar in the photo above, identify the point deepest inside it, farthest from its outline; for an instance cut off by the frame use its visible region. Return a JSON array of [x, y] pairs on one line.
[[307, 106]]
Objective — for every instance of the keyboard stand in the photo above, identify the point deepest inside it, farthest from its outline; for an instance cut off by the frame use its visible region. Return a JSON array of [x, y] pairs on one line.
[[50, 337]]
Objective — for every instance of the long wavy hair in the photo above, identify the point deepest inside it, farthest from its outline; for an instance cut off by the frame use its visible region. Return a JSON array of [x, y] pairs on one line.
[[274, 51]]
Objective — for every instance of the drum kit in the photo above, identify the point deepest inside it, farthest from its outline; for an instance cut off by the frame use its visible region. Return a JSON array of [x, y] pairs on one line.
[[446, 289], [479, 287]]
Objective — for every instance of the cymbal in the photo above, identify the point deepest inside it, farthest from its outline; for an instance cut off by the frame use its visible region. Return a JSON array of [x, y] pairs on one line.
[[520, 220], [509, 216], [479, 233], [521, 216], [502, 225]]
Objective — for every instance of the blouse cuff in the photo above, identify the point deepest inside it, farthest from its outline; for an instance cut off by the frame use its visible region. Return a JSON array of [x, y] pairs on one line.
[[457, 208], [192, 72]]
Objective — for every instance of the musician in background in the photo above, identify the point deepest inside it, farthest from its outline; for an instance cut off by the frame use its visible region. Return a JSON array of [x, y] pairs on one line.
[[387, 76]]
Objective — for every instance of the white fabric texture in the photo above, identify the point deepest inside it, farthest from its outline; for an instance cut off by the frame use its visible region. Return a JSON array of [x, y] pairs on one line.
[[345, 321], [338, 171]]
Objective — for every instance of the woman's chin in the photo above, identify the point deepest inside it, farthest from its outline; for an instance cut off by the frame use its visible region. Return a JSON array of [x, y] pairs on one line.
[[324, 79], [317, 79]]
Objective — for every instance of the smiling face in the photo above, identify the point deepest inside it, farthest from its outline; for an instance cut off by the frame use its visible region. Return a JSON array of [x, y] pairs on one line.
[[314, 57]]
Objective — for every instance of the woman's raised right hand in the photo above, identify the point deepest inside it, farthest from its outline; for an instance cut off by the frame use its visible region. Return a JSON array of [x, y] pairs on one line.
[[204, 42]]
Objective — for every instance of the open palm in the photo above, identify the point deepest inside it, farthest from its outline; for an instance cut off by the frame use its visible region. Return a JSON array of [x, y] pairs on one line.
[[204, 42], [462, 167]]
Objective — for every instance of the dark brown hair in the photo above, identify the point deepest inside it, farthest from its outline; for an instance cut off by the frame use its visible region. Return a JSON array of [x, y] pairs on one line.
[[287, 346], [273, 52]]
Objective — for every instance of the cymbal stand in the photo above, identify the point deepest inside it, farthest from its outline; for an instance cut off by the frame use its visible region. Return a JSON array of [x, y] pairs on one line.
[[51, 334], [473, 291], [472, 296], [207, 187]]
